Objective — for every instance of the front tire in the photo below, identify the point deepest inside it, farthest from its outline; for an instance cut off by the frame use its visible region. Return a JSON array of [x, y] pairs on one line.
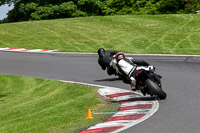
[[155, 89]]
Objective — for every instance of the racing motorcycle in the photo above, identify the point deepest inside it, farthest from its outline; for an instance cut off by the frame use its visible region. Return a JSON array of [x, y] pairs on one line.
[[147, 80]]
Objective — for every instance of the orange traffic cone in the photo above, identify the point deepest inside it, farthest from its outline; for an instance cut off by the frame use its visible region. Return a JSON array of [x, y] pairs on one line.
[[89, 116]]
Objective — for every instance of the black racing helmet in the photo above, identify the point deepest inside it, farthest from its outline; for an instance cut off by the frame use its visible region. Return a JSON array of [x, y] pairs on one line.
[[101, 52]]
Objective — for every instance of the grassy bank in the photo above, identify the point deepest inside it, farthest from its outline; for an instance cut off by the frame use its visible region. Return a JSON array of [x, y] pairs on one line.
[[40, 105], [152, 34]]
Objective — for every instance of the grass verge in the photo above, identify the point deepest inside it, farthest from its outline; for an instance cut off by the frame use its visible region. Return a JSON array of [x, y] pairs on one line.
[[144, 34], [40, 105]]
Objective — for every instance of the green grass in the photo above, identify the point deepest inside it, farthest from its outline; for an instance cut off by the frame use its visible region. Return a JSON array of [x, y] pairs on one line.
[[40, 105], [145, 34]]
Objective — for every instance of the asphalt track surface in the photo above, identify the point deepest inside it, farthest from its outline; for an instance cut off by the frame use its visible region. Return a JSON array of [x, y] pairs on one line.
[[179, 113]]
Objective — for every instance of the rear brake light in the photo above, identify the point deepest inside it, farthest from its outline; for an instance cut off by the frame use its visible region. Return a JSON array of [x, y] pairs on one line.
[[137, 73]]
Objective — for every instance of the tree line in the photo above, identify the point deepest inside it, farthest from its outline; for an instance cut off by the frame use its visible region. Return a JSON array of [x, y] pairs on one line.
[[25, 10]]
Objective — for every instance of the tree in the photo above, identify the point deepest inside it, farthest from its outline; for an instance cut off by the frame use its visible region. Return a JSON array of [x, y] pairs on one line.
[[2, 2], [50, 9], [192, 5], [171, 6]]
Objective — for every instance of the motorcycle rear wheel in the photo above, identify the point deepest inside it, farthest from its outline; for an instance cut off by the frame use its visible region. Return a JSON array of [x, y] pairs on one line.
[[155, 89]]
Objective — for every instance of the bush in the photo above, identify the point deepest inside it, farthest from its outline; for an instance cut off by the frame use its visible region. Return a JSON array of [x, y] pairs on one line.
[[192, 5], [45, 12], [51, 9], [64, 10], [145, 6], [91, 7]]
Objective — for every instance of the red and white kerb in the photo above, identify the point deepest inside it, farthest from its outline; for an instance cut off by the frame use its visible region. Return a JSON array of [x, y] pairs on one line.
[[130, 113]]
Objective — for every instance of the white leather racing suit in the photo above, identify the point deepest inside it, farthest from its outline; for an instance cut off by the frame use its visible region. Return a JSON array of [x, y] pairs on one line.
[[124, 68]]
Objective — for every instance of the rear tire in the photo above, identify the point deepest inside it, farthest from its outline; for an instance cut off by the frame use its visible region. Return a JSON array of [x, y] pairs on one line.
[[155, 89]]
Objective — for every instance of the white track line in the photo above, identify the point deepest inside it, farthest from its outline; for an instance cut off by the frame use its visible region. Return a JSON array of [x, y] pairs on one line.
[[25, 50]]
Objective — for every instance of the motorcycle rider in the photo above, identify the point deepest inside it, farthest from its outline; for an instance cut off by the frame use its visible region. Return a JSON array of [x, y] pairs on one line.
[[127, 69], [106, 56], [116, 63]]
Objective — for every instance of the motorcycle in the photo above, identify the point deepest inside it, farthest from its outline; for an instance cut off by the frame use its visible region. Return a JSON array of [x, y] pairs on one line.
[[147, 80]]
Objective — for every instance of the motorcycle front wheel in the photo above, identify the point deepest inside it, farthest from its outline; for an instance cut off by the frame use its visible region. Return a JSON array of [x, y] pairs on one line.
[[155, 89]]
